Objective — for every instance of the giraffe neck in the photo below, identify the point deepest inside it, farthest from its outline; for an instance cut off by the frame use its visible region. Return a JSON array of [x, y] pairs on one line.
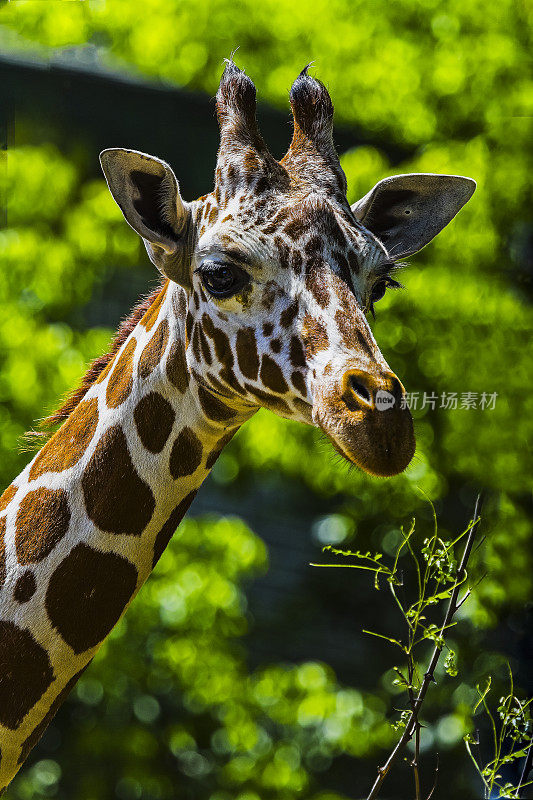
[[84, 524]]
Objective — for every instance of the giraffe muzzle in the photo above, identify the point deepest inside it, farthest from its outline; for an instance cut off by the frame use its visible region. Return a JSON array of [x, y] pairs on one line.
[[366, 420]]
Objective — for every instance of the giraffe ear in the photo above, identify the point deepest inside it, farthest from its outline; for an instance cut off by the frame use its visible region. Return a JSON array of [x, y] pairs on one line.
[[406, 211], [146, 191]]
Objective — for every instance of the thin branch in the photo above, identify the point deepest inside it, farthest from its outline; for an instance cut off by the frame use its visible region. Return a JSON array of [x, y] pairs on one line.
[[528, 764], [412, 723], [430, 795]]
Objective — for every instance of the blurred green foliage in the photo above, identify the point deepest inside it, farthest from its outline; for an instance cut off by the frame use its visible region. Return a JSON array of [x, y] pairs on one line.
[[171, 694]]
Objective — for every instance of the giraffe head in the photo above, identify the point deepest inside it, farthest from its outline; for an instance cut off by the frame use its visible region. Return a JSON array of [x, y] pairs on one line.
[[278, 271]]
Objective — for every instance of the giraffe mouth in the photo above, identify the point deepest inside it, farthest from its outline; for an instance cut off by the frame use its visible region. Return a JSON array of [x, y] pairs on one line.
[[382, 460], [379, 441]]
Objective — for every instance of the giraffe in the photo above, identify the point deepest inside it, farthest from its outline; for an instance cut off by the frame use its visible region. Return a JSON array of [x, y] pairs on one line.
[[266, 284]]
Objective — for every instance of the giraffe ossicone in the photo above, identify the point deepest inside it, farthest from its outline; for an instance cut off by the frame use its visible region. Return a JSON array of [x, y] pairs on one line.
[[266, 284]]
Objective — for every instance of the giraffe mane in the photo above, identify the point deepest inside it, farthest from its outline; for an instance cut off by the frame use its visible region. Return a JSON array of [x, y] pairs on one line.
[[34, 439]]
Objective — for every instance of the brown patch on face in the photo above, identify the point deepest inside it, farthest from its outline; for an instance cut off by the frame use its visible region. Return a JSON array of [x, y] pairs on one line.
[[272, 376], [153, 352], [206, 352], [296, 261], [116, 498], [297, 354], [262, 184], [220, 445], [25, 587], [314, 281], [7, 497], [120, 382], [344, 268], [275, 345], [37, 732], [269, 295], [180, 303], [298, 382], [268, 329], [2, 551], [288, 316], [149, 319], [314, 246], [233, 177], [268, 400], [186, 454], [315, 336], [353, 262], [189, 321], [296, 228], [351, 335], [25, 673], [247, 354], [284, 252], [196, 342], [43, 518], [214, 408], [250, 161], [222, 346], [70, 442], [154, 417], [167, 531], [87, 594], [177, 370]]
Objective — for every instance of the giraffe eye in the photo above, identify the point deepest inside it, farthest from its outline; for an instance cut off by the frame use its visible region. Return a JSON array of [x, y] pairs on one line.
[[378, 291], [222, 280]]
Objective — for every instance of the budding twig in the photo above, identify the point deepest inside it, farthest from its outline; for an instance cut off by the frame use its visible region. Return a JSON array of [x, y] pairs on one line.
[[412, 725]]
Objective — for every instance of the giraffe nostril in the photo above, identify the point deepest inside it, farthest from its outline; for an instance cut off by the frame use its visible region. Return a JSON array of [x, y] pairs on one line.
[[360, 389]]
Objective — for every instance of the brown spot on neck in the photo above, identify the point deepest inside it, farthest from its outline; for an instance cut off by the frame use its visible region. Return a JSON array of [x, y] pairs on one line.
[[43, 518], [87, 594], [117, 500], [154, 350], [120, 382], [7, 497], [176, 368], [150, 317], [186, 454], [25, 587], [68, 445], [25, 674], [154, 417]]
